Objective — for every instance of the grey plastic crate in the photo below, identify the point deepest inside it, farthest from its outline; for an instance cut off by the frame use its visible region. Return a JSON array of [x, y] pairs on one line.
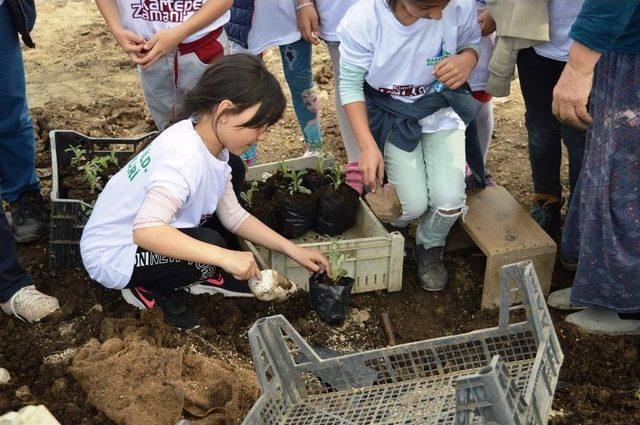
[[68, 216], [504, 375]]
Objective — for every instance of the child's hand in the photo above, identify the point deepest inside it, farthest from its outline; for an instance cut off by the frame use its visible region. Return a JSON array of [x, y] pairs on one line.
[[454, 71], [308, 23], [486, 22], [131, 43], [372, 167], [310, 259], [241, 264], [159, 45]]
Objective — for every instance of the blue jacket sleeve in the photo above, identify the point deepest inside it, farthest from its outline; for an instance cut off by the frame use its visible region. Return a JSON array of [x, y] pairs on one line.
[[601, 23]]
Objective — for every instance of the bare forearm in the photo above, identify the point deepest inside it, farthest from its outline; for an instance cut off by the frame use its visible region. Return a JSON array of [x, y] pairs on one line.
[[357, 115], [582, 58], [208, 13], [109, 11], [169, 241], [255, 231]]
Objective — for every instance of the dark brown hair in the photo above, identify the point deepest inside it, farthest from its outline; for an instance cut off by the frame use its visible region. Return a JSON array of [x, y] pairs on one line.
[[242, 79], [392, 3]]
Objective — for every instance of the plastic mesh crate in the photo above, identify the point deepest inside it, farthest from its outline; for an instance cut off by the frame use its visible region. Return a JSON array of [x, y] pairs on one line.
[[504, 375], [374, 256], [68, 216]]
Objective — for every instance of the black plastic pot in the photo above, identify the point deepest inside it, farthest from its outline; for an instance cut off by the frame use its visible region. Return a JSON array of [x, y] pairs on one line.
[[330, 299], [295, 213], [337, 210]]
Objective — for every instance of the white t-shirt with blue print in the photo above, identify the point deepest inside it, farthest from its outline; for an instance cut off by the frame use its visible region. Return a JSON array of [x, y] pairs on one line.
[[400, 59]]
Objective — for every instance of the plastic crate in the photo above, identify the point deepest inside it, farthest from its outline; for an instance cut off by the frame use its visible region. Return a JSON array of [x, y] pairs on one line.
[[68, 216], [505, 375], [374, 256]]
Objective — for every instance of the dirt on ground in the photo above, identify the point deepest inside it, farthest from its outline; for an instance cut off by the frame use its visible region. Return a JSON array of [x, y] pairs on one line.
[[79, 79]]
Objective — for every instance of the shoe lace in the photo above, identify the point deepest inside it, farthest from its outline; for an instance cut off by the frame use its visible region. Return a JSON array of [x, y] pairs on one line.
[[28, 298]]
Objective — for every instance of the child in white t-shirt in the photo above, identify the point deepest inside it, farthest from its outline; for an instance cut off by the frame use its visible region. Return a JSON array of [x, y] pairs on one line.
[[406, 52], [145, 234], [171, 42]]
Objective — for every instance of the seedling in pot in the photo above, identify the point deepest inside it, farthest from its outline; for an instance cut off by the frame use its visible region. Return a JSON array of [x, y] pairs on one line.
[[93, 169], [337, 205], [296, 182], [337, 176], [78, 154], [247, 196], [282, 167], [323, 164], [336, 259]]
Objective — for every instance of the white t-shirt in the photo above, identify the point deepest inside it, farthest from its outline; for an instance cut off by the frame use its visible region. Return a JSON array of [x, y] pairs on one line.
[[177, 161], [480, 75], [562, 15], [331, 13], [400, 59], [147, 17], [274, 23]]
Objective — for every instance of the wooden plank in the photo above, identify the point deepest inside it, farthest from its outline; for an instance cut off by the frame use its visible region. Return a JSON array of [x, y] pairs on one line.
[[498, 224]]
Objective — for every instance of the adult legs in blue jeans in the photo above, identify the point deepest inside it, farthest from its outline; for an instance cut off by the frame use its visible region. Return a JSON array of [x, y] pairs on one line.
[[538, 77], [19, 184]]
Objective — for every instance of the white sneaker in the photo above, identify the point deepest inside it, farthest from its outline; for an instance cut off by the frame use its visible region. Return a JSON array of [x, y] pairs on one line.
[[600, 321], [311, 152], [30, 305], [561, 300]]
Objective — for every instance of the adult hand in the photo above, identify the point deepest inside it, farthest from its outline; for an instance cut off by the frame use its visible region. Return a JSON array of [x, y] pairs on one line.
[[159, 45], [454, 71], [372, 167], [308, 23], [241, 264], [486, 22], [131, 43], [310, 259], [571, 96]]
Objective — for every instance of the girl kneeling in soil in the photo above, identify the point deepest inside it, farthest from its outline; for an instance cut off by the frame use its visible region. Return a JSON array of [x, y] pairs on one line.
[[403, 51], [144, 235]]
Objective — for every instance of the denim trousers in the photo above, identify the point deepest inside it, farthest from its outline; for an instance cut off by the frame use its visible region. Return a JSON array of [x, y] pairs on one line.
[[296, 64], [13, 276], [538, 77], [430, 182], [17, 143]]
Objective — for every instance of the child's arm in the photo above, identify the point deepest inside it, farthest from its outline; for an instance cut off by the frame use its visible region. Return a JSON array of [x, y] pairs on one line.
[[168, 241], [255, 231], [131, 43], [308, 21], [162, 42]]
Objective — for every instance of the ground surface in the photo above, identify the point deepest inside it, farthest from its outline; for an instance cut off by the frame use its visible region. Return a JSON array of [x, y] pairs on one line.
[[79, 79]]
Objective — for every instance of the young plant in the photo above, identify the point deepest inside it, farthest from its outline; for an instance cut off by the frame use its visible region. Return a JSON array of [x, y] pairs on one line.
[[336, 259], [248, 195], [296, 182], [94, 168], [337, 176], [282, 167], [324, 165], [78, 154]]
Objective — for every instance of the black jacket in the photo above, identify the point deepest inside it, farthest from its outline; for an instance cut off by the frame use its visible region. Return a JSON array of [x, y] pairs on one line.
[[23, 16]]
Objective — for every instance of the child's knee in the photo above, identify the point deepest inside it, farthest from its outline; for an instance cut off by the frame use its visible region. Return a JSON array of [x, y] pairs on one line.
[[414, 207], [448, 202]]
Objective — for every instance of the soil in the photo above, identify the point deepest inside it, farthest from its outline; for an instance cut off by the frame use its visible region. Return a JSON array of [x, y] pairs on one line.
[[278, 181], [313, 180], [384, 203], [79, 79]]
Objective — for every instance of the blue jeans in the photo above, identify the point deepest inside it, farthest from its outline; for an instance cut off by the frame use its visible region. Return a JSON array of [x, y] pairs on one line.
[[296, 63], [17, 144], [13, 276]]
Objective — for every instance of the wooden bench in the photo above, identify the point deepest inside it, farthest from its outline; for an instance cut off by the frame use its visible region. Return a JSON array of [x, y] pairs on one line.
[[506, 234]]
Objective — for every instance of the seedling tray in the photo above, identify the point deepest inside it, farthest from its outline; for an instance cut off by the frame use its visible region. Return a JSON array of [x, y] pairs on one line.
[[505, 375], [68, 216], [374, 256]]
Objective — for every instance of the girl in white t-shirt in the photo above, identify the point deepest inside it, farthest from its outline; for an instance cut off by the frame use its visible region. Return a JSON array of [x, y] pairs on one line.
[[171, 42], [407, 50], [145, 234]]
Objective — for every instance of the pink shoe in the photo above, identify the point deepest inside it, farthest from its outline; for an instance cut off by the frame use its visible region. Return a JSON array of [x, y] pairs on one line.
[[354, 177]]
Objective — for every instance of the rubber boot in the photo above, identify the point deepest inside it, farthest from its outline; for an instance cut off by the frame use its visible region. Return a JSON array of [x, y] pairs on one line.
[[432, 275]]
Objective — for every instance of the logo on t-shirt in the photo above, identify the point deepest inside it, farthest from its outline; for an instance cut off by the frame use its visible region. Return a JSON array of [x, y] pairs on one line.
[[442, 53], [165, 10]]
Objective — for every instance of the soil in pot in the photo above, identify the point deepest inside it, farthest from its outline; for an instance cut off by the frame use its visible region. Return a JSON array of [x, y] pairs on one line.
[[265, 190], [330, 298], [313, 180], [337, 209], [295, 212], [264, 210], [74, 186], [278, 181]]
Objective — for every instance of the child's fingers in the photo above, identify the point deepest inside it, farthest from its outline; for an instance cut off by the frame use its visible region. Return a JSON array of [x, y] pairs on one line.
[[135, 37], [380, 172]]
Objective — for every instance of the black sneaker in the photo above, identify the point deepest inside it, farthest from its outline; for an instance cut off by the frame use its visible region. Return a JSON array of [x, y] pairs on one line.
[[547, 214], [218, 285], [27, 215], [171, 303]]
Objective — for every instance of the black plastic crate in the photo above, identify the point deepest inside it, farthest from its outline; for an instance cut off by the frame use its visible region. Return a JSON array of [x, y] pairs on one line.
[[68, 216]]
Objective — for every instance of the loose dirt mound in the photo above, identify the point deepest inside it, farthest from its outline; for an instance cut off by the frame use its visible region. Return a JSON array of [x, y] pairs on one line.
[[135, 381]]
